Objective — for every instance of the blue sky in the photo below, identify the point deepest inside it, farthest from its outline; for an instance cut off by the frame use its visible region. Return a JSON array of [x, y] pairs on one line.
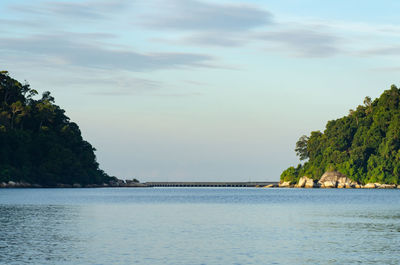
[[201, 90]]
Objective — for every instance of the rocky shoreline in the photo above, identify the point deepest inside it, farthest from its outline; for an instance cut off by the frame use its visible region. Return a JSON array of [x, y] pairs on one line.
[[114, 183], [332, 179]]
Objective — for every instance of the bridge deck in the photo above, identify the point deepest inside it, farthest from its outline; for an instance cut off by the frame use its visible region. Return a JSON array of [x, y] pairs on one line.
[[210, 184]]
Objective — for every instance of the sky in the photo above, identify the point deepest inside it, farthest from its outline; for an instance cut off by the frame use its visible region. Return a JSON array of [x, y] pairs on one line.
[[194, 90]]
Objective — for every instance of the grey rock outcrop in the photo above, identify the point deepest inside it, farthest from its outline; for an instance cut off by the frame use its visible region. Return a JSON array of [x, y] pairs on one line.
[[306, 182], [334, 179]]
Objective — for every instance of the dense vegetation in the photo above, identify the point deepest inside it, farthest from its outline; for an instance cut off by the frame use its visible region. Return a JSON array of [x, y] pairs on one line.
[[38, 142], [365, 145]]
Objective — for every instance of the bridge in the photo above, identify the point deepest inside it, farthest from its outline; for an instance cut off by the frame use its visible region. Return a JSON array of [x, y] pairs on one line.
[[211, 184]]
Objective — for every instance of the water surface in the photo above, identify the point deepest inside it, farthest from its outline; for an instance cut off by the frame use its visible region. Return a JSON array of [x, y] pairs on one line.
[[199, 226]]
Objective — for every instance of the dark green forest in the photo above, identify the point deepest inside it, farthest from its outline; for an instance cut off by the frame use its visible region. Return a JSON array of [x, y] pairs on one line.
[[364, 145], [39, 144]]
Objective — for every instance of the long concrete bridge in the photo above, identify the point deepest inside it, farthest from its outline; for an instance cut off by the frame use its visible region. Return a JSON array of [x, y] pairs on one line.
[[210, 184]]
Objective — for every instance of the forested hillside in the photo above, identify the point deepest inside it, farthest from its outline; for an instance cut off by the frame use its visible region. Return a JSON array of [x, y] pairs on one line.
[[39, 144], [364, 145]]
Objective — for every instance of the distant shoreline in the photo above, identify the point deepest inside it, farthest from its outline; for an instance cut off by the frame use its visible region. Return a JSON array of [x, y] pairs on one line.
[[119, 184], [129, 184]]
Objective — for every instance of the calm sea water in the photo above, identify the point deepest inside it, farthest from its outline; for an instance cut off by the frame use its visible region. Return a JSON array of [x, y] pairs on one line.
[[199, 226]]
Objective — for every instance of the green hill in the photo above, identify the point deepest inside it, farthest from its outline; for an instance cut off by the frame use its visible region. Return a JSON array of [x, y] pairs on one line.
[[39, 144], [364, 145]]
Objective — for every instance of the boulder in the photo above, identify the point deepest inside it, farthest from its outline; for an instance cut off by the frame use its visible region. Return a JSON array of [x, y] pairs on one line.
[[305, 182], [270, 186], [11, 184], [357, 186], [25, 184], [61, 185], [328, 184], [77, 185], [310, 183], [3, 185], [341, 186], [387, 186], [285, 184], [302, 182], [369, 186], [333, 179]]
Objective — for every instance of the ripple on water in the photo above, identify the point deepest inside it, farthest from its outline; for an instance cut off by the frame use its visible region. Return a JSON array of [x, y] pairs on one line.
[[199, 226]]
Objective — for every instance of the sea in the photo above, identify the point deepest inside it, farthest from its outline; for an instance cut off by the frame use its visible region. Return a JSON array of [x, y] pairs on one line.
[[199, 226]]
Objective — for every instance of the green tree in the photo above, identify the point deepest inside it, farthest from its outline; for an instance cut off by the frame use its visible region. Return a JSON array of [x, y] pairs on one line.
[[365, 145], [56, 153], [301, 147]]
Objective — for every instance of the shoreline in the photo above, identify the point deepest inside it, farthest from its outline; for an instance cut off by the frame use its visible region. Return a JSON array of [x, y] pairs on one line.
[[117, 184], [130, 184]]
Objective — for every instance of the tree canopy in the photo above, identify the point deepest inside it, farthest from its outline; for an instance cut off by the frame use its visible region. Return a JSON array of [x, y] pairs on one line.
[[39, 143], [364, 145]]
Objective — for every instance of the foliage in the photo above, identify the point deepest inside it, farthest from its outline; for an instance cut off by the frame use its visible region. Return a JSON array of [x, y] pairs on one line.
[[301, 147], [38, 142], [364, 145]]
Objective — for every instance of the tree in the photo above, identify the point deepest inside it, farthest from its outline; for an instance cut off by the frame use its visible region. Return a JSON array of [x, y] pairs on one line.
[[17, 109], [301, 147], [364, 145], [368, 105], [56, 153]]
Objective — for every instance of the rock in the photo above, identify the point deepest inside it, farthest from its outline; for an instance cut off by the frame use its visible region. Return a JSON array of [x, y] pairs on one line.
[[285, 184], [305, 182], [302, 182], [328, 184], [387, 186], [91, 186], [398, 186], [310, 184], [333, 179], [25, 184], [369, 186], [61, 185], [377, 185], [357, 186], [271, 186], [77, 185], [3, 185], [11, 184]]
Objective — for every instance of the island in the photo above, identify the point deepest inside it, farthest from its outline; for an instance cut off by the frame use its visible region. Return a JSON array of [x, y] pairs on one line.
[[41, 147], [360, 150]]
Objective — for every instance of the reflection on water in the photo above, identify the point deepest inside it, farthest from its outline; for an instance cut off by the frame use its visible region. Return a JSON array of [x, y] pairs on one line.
[[32, 233], [199, 226]]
